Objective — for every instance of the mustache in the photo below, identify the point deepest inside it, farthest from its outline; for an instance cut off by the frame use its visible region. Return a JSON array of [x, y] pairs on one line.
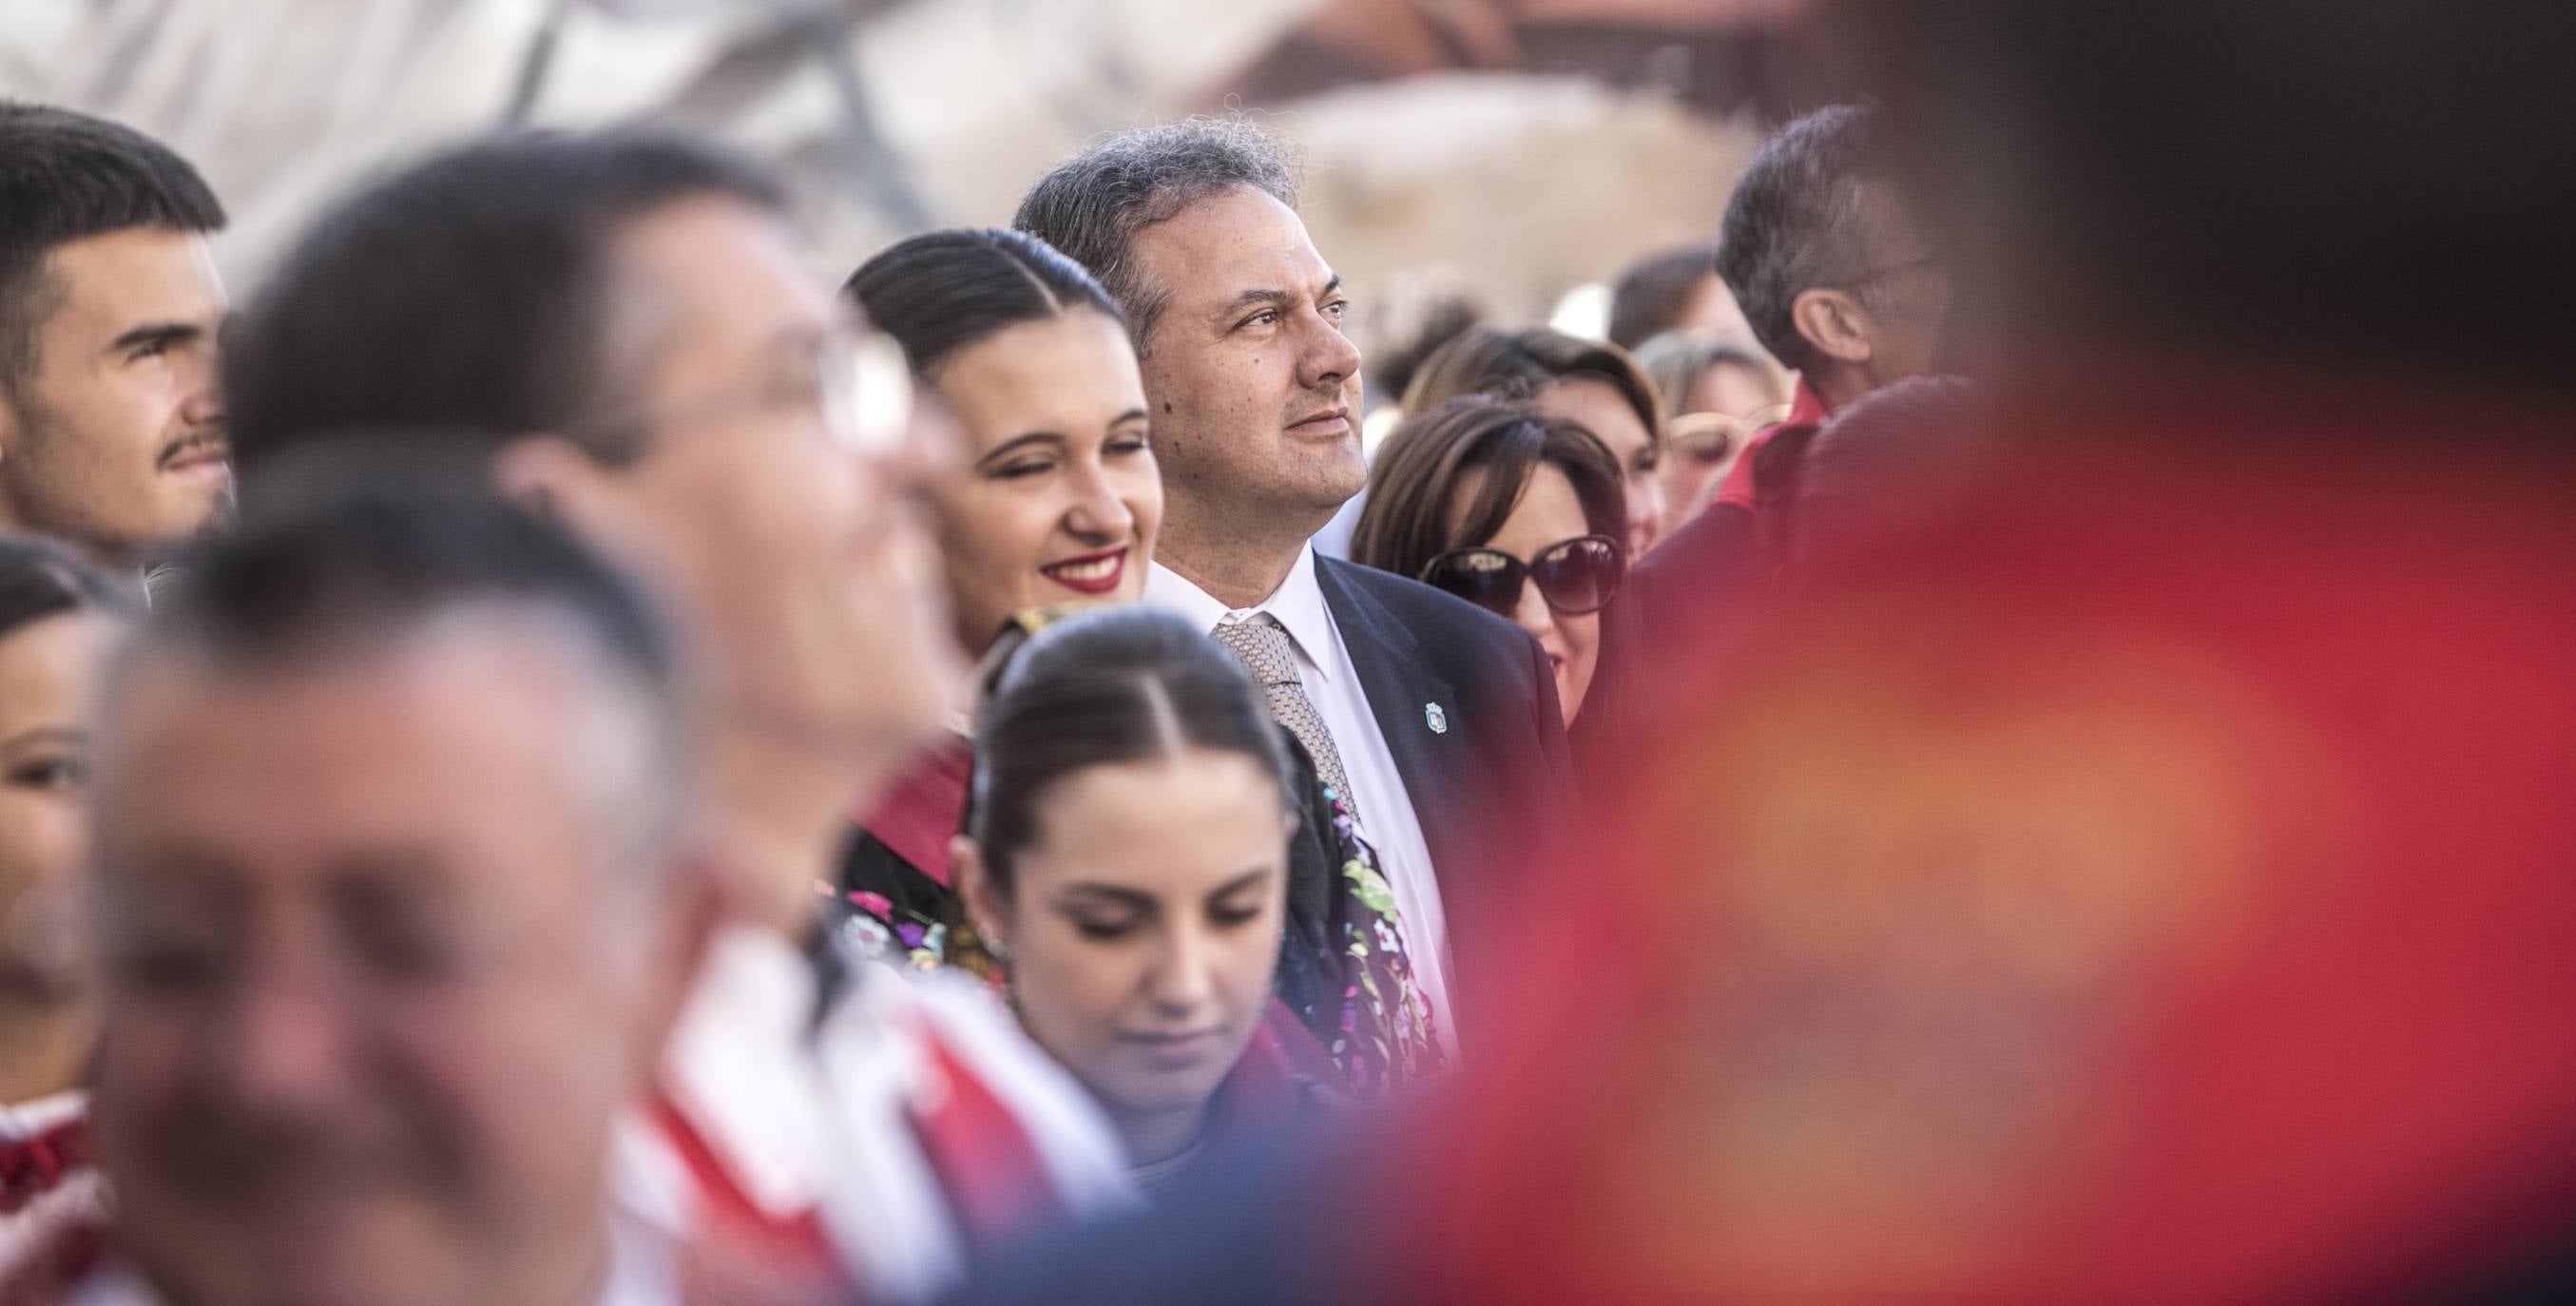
[[204, 439], [231, 1155]]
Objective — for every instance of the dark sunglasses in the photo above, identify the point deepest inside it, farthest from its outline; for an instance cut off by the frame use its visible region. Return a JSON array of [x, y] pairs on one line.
[[1574, 576]]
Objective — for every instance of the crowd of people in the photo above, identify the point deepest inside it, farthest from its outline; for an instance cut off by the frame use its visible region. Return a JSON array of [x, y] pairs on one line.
[[558, 755]]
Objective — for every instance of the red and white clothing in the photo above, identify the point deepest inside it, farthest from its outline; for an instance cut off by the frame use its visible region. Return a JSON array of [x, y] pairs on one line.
[[1806, 408], [641, 1272], [50, 1204], [876, 1145]]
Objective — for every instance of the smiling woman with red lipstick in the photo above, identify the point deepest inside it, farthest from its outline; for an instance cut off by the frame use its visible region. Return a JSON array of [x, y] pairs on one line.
[[1054, 500]]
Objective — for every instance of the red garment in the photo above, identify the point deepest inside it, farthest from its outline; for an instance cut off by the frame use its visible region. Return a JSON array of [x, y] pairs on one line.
[[923, 811], [2150, 882], [1806, 408], [52, 1219], [992, 1171]]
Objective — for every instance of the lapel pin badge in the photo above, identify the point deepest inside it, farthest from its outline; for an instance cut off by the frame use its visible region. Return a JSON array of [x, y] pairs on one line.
[[1434, 717]]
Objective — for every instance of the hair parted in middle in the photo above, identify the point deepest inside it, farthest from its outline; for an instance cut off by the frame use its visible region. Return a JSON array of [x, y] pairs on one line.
[[1100, 688], [939, 292]]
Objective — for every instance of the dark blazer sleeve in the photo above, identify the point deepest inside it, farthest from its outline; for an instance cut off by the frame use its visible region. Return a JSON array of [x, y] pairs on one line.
[[1660, 633], [1488, 772]]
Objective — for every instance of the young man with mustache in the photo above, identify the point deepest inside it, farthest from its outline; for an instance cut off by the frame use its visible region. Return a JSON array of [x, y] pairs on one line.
[[111, 423]]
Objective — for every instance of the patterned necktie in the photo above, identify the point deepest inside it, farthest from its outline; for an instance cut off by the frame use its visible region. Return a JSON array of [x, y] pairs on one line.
[[1262, 644]]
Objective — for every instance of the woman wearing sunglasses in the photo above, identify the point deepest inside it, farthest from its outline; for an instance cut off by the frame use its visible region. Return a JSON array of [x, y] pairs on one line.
[[1558, 375], [1515, 512], [1715, 397]]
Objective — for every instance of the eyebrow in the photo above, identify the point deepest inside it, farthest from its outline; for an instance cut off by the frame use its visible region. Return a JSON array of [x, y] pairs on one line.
[[1024, 440], [1122, 896], [1017, 443], [1276, 298], [1238, 884], [156, 333], [44, 735]]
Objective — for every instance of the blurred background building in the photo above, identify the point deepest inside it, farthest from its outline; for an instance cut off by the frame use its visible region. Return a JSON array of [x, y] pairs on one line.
[[1512, 150]]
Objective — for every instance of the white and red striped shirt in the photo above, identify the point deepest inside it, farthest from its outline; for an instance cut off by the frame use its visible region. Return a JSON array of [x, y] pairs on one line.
[[878, 1147], [50, 1193]]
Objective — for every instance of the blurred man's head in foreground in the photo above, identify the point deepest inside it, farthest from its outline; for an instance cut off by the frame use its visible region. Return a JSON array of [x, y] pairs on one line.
[[633, 320], [391, 904], [2368, 194]]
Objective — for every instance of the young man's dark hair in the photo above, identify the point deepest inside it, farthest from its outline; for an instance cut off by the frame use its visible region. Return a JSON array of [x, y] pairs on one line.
[[474, 290], [65, 176], [1656, 294], [1092, 206]]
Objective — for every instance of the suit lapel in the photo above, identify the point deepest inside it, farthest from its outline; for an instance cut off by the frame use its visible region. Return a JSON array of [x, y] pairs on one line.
[[1402, 686]]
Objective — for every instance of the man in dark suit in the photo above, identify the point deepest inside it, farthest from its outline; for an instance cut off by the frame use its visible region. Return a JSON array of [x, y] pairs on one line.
[[1435, 722]]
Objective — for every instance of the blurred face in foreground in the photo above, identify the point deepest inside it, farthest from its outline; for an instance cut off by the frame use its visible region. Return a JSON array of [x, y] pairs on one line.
[[1142, 930], [381, 963], [1060, 499], [787, 534]]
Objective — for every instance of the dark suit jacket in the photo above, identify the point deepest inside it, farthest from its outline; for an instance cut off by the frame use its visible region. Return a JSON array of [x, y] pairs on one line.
[[1488, 772], [1657, 635]]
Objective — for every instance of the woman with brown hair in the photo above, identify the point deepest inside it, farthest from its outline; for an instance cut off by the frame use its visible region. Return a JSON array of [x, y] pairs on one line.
[[1516, 512], [1716, 395], [1563, 376], [57, 619]]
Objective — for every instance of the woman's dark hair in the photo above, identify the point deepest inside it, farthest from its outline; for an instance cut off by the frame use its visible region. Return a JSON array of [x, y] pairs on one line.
[[1417, 483], [40, 579], [1127, 684], [1516, 365], [1654, 294], [940, 292]]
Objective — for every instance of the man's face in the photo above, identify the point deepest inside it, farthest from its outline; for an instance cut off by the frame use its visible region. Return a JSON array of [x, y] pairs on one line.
[[1255, 390], [808, 568], [373, 988], [114, 441], [1906, 291]]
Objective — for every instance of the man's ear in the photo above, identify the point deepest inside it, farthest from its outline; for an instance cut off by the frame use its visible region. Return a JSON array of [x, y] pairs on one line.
[[548, 475], [1833, 323]]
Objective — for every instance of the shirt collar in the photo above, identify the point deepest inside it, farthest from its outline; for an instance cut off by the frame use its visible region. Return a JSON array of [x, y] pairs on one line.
[[1806, 407], [1297, 605]]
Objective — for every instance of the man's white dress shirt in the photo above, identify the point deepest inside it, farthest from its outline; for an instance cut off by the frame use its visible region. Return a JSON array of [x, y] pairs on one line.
[[1386, 815]]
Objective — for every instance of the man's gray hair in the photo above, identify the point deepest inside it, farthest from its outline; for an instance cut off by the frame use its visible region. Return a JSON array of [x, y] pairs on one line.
[[1092, 206], [1798, 221]]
